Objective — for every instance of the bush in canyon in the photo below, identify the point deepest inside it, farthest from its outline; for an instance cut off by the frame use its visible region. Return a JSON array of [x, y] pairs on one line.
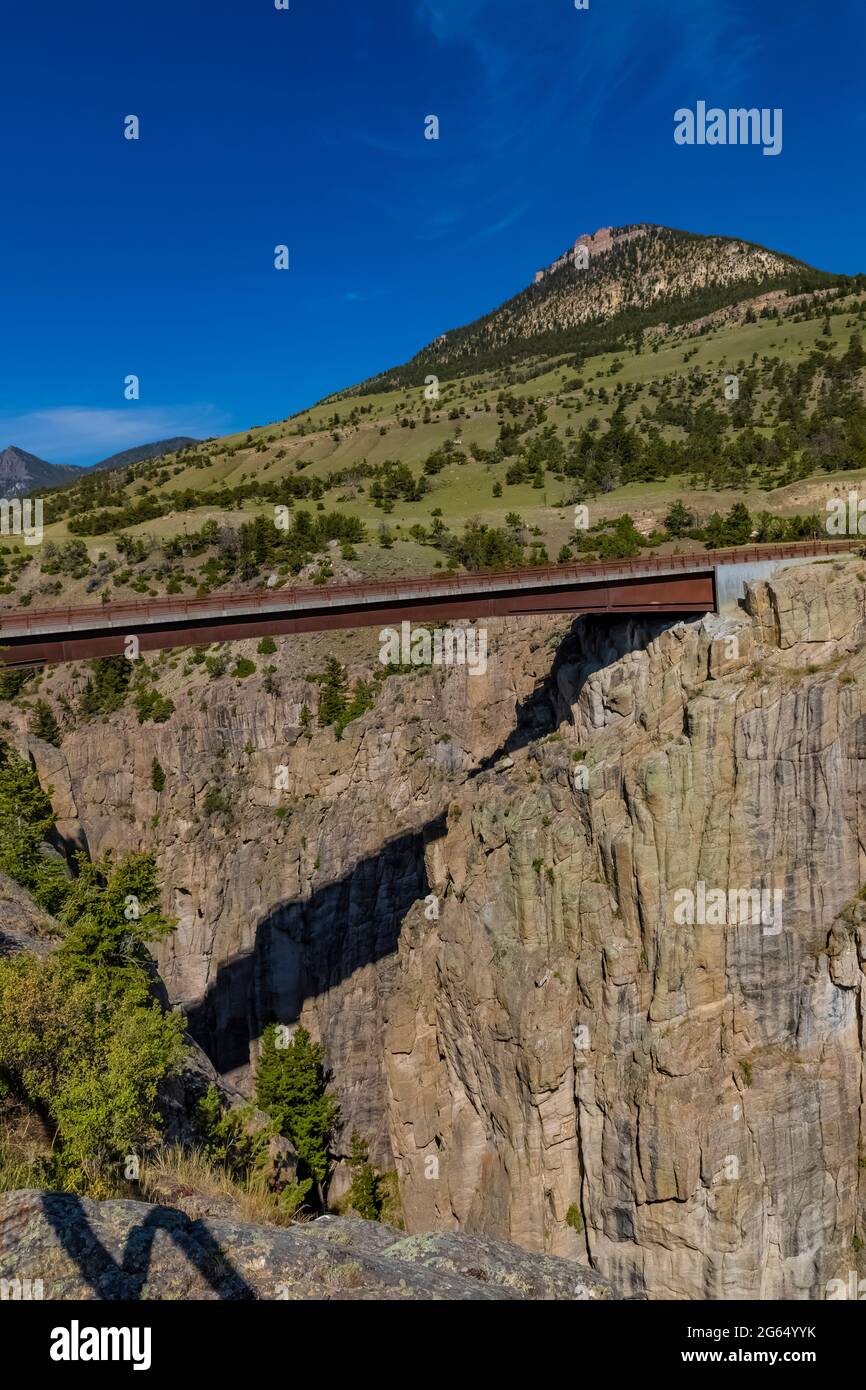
[[111, 913], [226, 1138], [107, 685], [149, 704], [88, 1062], [84, 1042], [233, 1145], [12, 682], [26, 822], [290, 1087], [573, 1217], [337, 707], [364, 1196], [334, 697]]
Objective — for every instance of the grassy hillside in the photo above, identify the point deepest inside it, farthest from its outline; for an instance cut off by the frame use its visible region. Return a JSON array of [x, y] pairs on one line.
[[389, 481]]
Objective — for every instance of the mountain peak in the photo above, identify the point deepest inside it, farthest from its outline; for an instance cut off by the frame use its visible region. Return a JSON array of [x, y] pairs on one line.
[[597, 244], [604, 292], [21, 472]]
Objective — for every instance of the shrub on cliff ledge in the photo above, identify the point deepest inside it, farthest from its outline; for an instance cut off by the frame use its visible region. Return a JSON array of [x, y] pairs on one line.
[[107, 685]]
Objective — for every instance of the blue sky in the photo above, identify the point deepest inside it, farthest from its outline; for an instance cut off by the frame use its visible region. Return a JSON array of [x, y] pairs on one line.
[[306, 127]]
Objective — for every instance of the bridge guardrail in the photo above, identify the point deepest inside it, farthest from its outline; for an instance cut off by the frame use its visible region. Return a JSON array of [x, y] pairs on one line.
[[172, 609]]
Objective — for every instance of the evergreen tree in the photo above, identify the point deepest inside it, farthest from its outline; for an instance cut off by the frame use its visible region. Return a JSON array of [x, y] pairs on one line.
[[361, 701], [106, 689], [290, 1086], [44, 725], [678, 520], [334, 697], [26, 822], [363, 1194], [157, 776], [111, 912]]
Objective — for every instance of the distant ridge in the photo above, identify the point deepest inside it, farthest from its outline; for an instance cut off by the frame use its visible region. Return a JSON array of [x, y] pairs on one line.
[[21, 473], [145, 451]]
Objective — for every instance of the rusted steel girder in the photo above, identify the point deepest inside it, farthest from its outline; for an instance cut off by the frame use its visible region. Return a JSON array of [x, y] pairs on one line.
[[74, 639]]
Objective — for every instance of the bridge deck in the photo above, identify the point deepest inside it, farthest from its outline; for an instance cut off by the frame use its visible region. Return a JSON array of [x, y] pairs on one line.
[[671, 583]]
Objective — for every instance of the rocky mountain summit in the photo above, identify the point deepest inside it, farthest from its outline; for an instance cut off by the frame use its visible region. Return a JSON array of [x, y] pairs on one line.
[[605, 289]]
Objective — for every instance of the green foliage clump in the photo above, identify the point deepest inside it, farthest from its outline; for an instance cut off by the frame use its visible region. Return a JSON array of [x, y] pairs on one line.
[[226, 1136], [44, 725], [157, 776], [82, 1038], [679, 519], [231, 1141], [110, 913], [573, 1217], [216, 802], [26, 822], [243, 667], [91, 1063], [216, 665], [266, 647], [107, 685], [12, 681], [336, 706], [290, 1087], [364, 1197], [484, 547], [149, 704], [334, 697]]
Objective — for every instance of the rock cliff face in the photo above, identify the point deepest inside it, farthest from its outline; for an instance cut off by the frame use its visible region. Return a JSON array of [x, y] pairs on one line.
[[475, 900]]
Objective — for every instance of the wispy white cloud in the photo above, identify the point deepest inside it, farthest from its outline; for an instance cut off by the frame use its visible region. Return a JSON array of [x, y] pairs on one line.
[[593, 54], [494, 228], [83, 434]]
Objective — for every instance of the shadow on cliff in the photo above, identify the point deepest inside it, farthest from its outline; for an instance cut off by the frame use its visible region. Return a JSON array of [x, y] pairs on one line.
[[126, 1280], [305, 947], [590, 644]]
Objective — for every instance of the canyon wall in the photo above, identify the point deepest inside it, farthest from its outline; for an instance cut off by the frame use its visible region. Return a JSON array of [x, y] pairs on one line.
[[471, 899]]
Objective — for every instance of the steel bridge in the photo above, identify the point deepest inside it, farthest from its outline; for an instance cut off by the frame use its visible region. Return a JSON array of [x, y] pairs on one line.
[[670, 584]]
